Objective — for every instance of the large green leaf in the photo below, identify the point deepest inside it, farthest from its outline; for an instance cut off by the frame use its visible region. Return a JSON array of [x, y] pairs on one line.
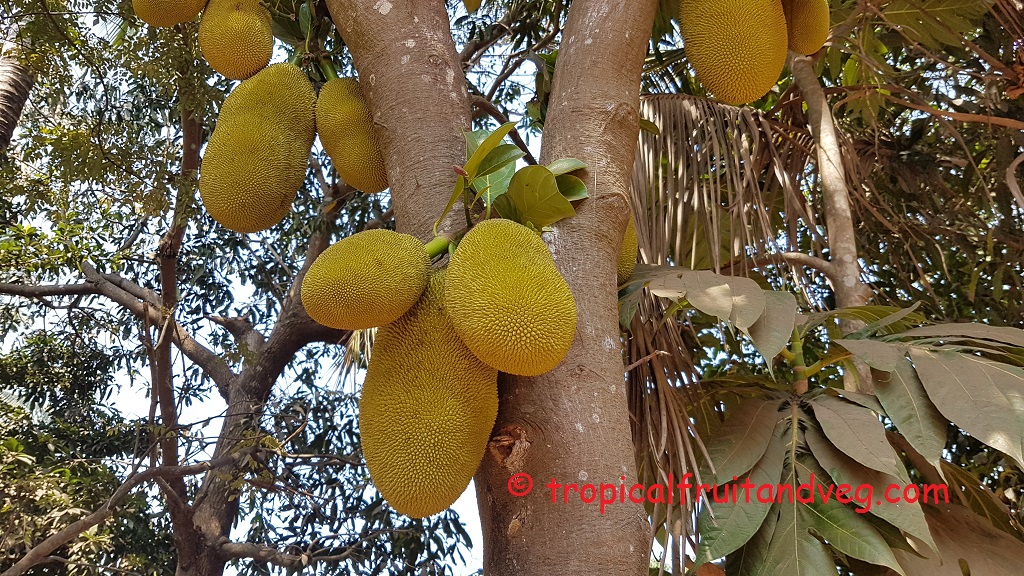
[[842, 527], [534, 193], [748, 302], [1002, 334], [984, 398], [845, 470], [880, 355], [725, 527], [935, 23], [793, 551], [488, 145], [773, 330], [979, 498], [965, 540], [858, 432], [907, 404], [742, 439]]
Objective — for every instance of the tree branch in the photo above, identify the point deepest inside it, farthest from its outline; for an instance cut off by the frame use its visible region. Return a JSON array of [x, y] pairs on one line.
[[42, 551], [489, 107], [47, 290]]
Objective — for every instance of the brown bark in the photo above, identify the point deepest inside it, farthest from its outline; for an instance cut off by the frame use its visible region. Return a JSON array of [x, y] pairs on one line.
[[413, 80], [16, 81], [847, 286], [572, 424]]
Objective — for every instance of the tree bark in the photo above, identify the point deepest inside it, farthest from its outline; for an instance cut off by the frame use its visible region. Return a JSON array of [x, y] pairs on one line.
[[571, 425], [842, 237], [414, 83], [16, 81]]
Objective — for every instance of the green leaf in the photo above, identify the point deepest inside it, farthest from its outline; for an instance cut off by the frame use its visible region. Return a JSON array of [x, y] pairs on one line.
[[984, 398], [793, 551], [773, 330], [880, 355], [742, 439], [725, 527], [494, 184], [486, 147], [907, 404], [846, 530], [499, 158], [506, 208], [460, 188], [534, 192], [648, 126], [571, 187], [565, 165], [748, 301], [845, 470], [978, 498], [629, 302], [858, 432], [1001, 334]]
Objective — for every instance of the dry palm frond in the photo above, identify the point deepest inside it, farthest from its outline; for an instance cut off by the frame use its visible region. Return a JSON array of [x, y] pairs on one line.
[[1010, 15]]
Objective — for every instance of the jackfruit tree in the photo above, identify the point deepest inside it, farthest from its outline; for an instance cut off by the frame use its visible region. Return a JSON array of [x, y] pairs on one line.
[[344, 259]]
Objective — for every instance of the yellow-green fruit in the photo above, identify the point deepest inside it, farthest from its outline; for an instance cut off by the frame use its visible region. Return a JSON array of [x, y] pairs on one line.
[[167, 12], [507, 300], [627, 257], [256, 159], [808, 23], [427, 409], [737, 47], [345, 126], [236, 37], [366, 280]]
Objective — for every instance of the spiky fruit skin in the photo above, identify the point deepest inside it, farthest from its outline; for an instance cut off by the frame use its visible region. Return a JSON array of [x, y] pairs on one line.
[[627, 257], [345, 126], [427, 409], [366, 280], [236, 37], [809, 23], [163, 13], [507, 300], [737, 47], [256, 159]]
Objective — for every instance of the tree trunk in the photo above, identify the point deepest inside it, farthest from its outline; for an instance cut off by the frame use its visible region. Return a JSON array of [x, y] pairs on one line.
[[16, 81], [842, 237], [571, 425]]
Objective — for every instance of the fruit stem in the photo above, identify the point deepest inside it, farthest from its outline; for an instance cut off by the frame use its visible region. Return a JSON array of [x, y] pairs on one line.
[[327, 67], [437, 246]]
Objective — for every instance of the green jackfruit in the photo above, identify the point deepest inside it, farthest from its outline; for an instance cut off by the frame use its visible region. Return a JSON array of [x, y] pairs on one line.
[[507, 300], [163, 13], [256, 159], [346, 130], [738, 48], [627, 256], [427, 409], [236, 37], [809, 23], [366, 280]]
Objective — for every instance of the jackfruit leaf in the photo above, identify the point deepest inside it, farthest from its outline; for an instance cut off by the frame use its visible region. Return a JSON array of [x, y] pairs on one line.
[[710, 293], [983, 397], [489, 143], [877, 325], [499, 158], [845, 470], [565, 165], [506, 208], [460, 187], [305, 17], [287, 31], [859, 434], [748, 301], [880, 355], [907, 404], [1002, 334], [742, 440], [571, 187], [629, 302], [649, 126], [772, 331], [534, 192], [725, 527], [860, 398], [869, 314], [750, 559], [472, 5], [842, 527], [494, 184], [964, 538], [978, 498], [793, 550]]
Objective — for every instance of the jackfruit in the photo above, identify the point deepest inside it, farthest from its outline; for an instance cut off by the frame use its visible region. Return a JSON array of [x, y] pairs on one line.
[[256, 159], [346, 130], [162, 13], [507, 300], [366, 280], [627, 257], [427, 408], [808, 23], [737, 47], [236, 37]]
